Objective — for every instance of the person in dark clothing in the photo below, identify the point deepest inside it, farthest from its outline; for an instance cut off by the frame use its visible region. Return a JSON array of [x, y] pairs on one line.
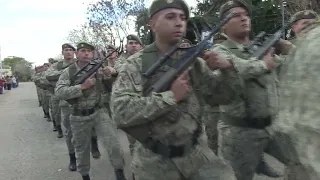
[[9, 82]]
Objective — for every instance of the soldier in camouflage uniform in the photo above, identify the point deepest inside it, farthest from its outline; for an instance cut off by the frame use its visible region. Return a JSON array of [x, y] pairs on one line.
[[44, 93], [87, 113], [53, 101], [52, 76], [293, 130], [38, 90], [298, 121], [244, 129], [133, 45], [171, 139]]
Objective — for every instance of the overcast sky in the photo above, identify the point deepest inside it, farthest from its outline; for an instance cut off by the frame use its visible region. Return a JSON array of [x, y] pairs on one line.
[[36, 29]]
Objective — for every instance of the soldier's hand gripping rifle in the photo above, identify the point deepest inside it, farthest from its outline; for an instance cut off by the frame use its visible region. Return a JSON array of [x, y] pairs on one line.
[[95, 64], [188, 59], [263, 42]]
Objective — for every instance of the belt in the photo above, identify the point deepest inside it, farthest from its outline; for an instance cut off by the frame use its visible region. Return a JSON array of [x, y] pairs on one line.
[[83, 112], [256, 123], [172, 151]]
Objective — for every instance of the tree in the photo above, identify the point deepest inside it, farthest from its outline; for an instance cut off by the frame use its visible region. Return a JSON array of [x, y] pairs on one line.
[[294, 6], [19, 67], [266, 15], [114, 18], [141, 26], [89, 34]]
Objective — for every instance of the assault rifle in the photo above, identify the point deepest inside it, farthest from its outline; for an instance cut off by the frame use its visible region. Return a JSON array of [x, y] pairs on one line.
[[95, 64], [263, 42], [188, 59]]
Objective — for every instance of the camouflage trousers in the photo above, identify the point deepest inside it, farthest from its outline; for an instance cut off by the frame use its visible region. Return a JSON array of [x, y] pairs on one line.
[[242, 148], [45, 102], [81, 127], [132, 141], [55, 110], [210, 120], [39, 95], [300, 152], [200, 163], [65, 116]]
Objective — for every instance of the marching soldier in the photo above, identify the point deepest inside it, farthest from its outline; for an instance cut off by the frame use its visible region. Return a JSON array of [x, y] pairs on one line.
[[298, 121], [87, 113], [52, 76], [134, 44], [244, 129], [44, 93], [38, 89], [290, 130], [171, 140]]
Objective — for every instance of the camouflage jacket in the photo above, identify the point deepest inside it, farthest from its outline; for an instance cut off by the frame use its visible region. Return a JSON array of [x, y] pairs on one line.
[[53, 74], [299, 115], [85, 99], [107, 82], [131, 108], [253, 87], [121, 60]]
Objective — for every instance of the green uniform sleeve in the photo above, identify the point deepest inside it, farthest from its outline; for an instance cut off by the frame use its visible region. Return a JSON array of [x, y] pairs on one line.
[[63, 89], [128, 105], [246, 68]]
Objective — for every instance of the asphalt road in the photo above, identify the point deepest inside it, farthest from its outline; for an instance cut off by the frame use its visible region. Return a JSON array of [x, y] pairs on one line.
[[30, 150]]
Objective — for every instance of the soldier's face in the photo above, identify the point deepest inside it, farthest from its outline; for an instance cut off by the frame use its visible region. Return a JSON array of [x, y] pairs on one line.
[[133, 46], [239, 25], [300, 24], [169, 25], [84, 54], [113, 55], [68, 53]]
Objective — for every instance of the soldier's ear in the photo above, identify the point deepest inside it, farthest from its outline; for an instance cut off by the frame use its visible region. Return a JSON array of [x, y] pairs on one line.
[[151, 24]]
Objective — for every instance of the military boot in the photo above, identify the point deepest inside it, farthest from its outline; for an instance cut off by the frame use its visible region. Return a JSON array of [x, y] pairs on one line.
[[94, 148], [120, 174], [45, 114], [54, 125], [73, 162], [60, 134], [265, 169], [48, 117], [86, 177]]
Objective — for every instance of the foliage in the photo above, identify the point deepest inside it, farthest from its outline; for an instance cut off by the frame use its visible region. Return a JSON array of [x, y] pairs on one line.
[[141, 25], [89, 34], [115, 18], [266, 14], [19, 67]]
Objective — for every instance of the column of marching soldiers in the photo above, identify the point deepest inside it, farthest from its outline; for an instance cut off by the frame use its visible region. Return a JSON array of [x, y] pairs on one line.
[[223, 107]]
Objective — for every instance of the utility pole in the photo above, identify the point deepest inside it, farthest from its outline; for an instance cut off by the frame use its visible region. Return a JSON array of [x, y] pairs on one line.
[[283, 14]]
